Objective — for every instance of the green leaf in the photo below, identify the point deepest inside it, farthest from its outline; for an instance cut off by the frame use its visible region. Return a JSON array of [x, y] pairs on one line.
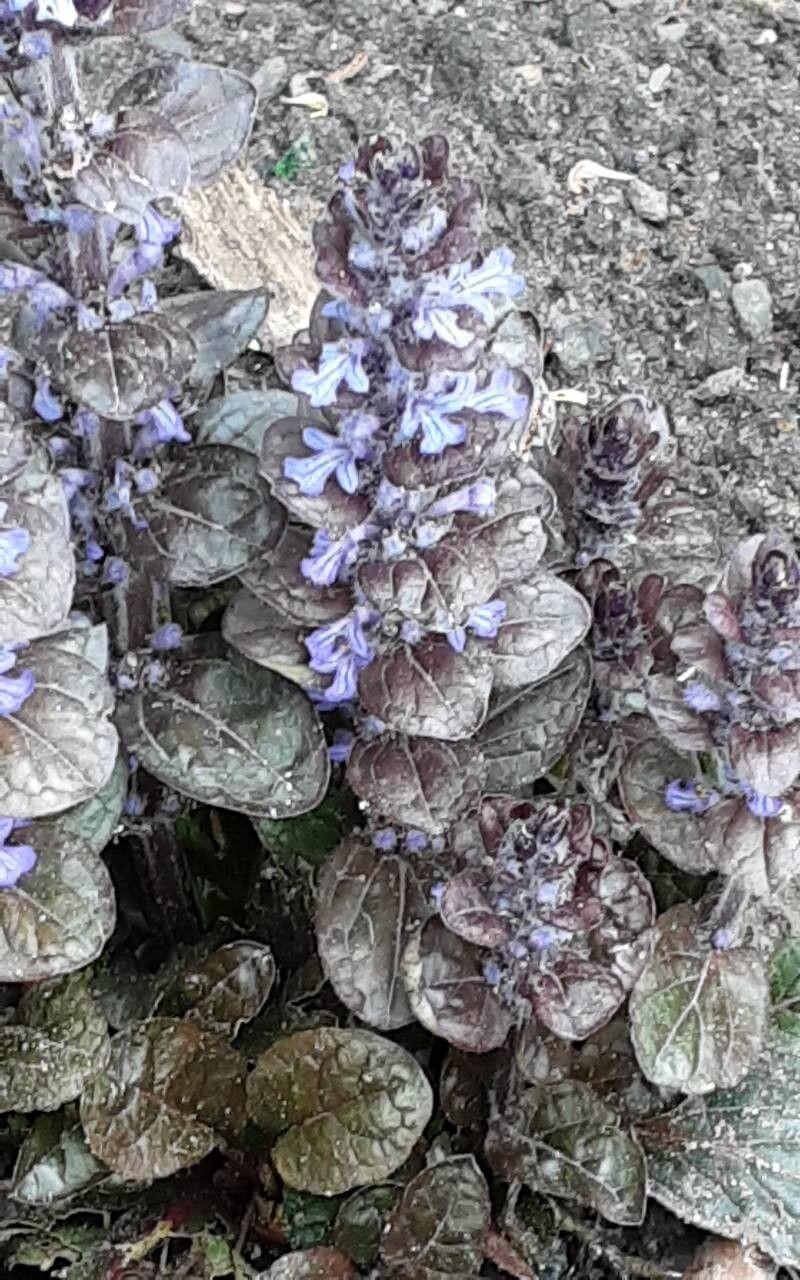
[[785, 986], [439, 1227], [698, 1015], [227, 988], [730, 1163], [170, 1094], [239, 737], [361, 1221], [240, 419], [54, 1162], [59, 916], [96, 820], [307, 1220], [311, 837], [562, 1140], [345, 1107], [59, 1042]]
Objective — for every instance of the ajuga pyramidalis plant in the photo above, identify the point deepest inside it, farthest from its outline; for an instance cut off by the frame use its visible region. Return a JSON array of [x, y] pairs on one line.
[[568, 717]]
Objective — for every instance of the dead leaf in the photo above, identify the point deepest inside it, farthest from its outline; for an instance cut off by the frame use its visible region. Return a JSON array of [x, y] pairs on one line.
[[238, 234], [505, 1257]]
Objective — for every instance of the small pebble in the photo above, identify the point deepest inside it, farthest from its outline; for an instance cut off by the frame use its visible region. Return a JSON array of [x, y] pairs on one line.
[[752, 303], [718, 385], [648, 202]]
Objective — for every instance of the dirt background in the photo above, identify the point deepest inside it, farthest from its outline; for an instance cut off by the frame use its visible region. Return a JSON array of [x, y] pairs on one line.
[[686, 287]]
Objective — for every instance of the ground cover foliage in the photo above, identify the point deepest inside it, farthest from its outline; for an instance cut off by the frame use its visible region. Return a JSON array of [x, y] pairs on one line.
[[399, 860]]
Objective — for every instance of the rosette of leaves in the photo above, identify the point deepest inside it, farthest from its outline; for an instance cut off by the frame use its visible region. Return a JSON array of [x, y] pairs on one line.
[[421, 588], [554, 922], [714, 786]]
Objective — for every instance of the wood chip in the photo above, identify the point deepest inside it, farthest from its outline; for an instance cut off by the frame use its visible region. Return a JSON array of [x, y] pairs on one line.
[[350, 69], [238, 234], [316, 103]]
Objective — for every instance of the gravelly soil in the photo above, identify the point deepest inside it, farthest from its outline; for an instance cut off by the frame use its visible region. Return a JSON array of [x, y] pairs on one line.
[[698, 100]]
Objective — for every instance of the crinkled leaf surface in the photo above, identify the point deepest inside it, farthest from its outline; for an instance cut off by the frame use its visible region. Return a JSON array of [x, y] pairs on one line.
[[278, 580], [607, 1062], [677, 723], [211, 108], [214, 515], [527, 729], [448, 992], [680, 837], [54, 1161], [221, 323], [439, 1227], [229, 987], [60, 747], [38, 596], [59, 1041], [546, 619], [577, 997], [698, 1015], [516, 540], [346, 1107], [366, 905], [361, 1220], [768, 759], [321, 1263], [261, 633], [785, 986], [562, 1140], [241, 418], [238, 737], [145, 160], [59, 916], [677, 537], [170, 1093], [466, 910], [95, 821], [428, 691], [420, 782], [437, 587], [124, 368], [729, 1162]]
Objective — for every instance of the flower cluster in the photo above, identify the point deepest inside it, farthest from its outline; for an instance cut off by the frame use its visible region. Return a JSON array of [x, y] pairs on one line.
[[563, 918]]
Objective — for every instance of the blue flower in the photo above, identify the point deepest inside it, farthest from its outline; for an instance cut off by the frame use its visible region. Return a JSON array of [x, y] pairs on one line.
[[331, 454], [385, 839], [16, 689], [341, 747], [161, 424], [168, 637], [14, 542], [16, 860], [341, 649], [722, 939], [436, 314], [476, 499], [684, 796], [44, 402], [699, 698], [339, 362], [760, 805], [457, 639], [430, 412], [416, 841], [61, 11], [485, 620], [115, 571], [331, 558]]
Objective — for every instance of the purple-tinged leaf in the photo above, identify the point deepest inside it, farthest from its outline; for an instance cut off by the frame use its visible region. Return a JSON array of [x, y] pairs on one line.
[[607, 1062], [467, 912], [241, 418], [211, 108], [417, 782], [768, 760], [680, 837], [576, 997], [221, 323], [681, 727], [528, 729], [319, 1263], [213, 516], [677, 538], [728, 1162], [540, 1056], [448, 992], [346, 1108], [761, 854], [129, 17], [259, 632], [60, 747], [170, 1094], [56, 1044], [516, 542], [545, 620], [367, 904], [563, 1140], [146, 160], [278, 581], [698, 1014], [429, 691], [628, 911], [125, 368], [238, 737], [334, 510], [440, 1225], [438, 588], [226, 988]]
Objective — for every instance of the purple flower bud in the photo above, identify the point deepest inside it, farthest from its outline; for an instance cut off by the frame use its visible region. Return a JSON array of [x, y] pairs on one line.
[[115, 571], [339, 362], [385, 839], [457, 639], [517, 950], [485, 620], [341, 747], [16, 860], [477, 499], [411, 631], [698, 698], [416, 841], [372, 727], [14, 542], [722, 939], [760, 805], [684, 796], [85, 424], [543, 938], [393, 545], [162, 424], [94, 552], [14, 689], [492, 973], [146, 480], [134, 806], [166, 638], [35, 45], [44, 402], [437, 893]]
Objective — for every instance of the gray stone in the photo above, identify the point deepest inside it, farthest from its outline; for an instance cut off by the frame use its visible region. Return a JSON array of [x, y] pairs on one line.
[[718, 385], [752, 303], [648, 202], [579, 343], [271, 77], [713, 279]]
